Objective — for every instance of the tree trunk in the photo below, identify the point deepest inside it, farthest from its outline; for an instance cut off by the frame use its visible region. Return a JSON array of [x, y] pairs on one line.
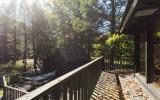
[[15, 39], [34, 44], [5, 55], [113, 23], [25, 46]]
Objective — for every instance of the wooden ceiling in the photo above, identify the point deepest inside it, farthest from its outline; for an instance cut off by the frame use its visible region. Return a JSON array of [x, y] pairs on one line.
[[139, 15]]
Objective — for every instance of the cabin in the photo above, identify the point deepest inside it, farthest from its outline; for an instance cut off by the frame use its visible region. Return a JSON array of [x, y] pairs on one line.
[[65, 60]]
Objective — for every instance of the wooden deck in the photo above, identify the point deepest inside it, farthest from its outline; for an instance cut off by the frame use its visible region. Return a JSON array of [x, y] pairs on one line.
[[119, 87]]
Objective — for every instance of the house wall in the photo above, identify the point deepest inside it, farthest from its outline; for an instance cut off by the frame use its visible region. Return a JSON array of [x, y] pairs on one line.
[[155, 27]]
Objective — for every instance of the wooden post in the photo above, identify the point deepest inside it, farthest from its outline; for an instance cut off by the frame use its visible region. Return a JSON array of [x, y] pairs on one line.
[[136, 53], [149, 52]]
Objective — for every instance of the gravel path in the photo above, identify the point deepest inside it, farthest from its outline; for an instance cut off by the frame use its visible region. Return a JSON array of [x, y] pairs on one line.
[[132, 89]]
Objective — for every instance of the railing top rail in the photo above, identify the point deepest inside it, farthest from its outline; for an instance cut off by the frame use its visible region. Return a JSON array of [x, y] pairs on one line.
[[9, 87], [44, 88], [16, 89]]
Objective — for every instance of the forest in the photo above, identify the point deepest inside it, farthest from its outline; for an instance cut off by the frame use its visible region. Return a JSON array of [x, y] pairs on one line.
[[31, 30]]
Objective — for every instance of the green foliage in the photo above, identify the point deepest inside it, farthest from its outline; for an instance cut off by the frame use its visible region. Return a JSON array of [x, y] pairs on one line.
[[120, 44], [115, 45], [79, 25], [97, 50], [157, 34], [1, 92]]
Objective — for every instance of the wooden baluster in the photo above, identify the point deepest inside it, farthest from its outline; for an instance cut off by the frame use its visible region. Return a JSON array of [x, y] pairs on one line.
[[82, 93], [19, 94], [4, 92], [126, 60], [71, 91], [123, 62], [45, 96], [6, 96], [52, 95], [61, 91], [107, 67], [85, 83], [124, 65], [75, 87], [117, 62], [109, 63], [114, 64], [120, 62], [64, 90], [89, 83], [79, 86], [129, 62], [93, 78], [13, 92], [10, 94], [57, 93], [16, 94]]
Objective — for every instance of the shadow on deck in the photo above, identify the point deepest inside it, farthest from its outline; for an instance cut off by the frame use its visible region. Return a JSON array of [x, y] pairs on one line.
[[107, 88]]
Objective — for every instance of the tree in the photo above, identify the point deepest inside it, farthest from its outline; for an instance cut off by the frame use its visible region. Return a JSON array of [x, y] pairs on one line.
[[110, 12], [34, 30], [76, 22]]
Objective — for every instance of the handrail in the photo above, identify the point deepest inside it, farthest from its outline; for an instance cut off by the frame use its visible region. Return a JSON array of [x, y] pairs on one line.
[[67, 78]]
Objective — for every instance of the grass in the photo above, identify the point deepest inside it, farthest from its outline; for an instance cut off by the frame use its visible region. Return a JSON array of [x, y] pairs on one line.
[[1, 91], [17, 68]]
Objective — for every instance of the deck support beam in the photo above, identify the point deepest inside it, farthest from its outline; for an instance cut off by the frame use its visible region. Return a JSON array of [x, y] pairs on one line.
[[149, 53], [136, 53]]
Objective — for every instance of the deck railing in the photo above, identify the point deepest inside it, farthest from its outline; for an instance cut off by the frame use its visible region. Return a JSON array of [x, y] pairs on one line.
[[77, 84], [11, 93], [119, 62]]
